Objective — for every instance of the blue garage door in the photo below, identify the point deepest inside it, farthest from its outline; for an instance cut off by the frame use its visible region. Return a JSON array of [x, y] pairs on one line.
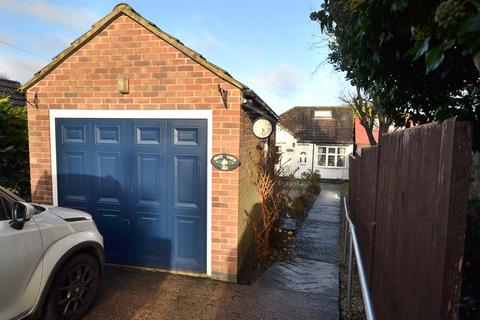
[[144, 182]]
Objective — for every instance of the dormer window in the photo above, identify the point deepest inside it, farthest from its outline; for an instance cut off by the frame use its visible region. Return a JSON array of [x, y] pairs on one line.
[[323, 114]]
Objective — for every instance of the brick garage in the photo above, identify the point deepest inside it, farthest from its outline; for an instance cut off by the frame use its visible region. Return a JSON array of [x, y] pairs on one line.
[[79, 90]]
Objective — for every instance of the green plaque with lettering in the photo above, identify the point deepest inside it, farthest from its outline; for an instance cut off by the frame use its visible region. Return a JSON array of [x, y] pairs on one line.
[[225, 162]]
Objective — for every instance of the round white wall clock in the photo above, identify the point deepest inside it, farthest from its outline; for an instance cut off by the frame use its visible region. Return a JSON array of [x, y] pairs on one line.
[[262, 128]]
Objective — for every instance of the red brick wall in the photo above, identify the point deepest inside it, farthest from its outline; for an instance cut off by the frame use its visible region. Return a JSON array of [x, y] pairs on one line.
[[161, 77], [361, 138]]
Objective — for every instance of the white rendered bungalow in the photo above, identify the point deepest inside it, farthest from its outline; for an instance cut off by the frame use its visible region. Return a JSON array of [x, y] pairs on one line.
[[316, 138]]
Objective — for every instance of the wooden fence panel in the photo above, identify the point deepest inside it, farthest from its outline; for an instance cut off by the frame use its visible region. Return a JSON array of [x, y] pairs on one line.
[[353, 197], [410, 209], [365, 186]]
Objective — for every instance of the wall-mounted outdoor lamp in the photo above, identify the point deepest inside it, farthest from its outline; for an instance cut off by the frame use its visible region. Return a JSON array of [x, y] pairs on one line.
[[122, 85], [224, 95]]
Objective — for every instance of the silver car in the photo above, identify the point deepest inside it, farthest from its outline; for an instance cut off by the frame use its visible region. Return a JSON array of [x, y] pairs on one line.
[[51, 259]]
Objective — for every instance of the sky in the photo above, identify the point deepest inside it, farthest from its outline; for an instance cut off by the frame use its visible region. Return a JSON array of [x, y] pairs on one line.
[[271, 46]]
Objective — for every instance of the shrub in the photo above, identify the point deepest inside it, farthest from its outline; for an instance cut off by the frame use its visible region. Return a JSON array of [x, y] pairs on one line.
[[311, 177], [313, 189], [14, 164], [272, 187], [301, 204], [306, 188]]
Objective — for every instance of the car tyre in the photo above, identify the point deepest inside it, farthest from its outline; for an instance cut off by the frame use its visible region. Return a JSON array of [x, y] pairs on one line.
[[73, 289]]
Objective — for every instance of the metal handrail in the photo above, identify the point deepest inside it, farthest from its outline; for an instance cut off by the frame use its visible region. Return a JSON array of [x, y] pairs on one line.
[[353, 244]]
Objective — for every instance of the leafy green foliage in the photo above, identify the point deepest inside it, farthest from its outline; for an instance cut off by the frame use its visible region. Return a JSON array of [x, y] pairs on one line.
[[310, 177], [459, 21], [379, 46], [449, 13], [305, 192], [14, 163]]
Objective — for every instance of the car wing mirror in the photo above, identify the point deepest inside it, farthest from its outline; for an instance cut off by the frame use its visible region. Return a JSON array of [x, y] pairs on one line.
[[21, 213]]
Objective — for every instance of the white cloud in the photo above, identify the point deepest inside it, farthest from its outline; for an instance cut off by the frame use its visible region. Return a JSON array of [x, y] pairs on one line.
[[75, 18], [48, 45], [202, 41], [209, 39], [283, 80], [19, 68], [284, 87]]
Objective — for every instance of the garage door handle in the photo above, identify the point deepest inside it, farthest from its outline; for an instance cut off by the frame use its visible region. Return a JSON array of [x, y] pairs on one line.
[[128, 221]]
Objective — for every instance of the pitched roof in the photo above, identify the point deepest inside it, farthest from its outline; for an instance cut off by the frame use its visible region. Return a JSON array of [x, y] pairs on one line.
[[9, 88], [282, 127], [306, 128], [123, 8]]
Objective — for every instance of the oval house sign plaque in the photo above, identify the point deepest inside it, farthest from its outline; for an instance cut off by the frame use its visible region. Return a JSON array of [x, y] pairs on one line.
[[225, 162]]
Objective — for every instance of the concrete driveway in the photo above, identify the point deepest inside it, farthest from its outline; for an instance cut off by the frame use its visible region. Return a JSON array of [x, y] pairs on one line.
[[305, 286], [134, 294]]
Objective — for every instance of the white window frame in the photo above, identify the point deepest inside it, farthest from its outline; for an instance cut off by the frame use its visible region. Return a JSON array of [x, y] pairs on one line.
[[327, 153], [322, 114]]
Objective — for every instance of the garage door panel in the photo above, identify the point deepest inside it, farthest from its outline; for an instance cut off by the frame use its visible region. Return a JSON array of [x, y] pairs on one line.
[[185, 136], [109, 222], [74, 134], [187, 140], [107, 145], [107, 177], [148, 135], [144, 182], [107, 134], [148, 180], [186, 244], [185, 181], [154, 245], [76, 183]]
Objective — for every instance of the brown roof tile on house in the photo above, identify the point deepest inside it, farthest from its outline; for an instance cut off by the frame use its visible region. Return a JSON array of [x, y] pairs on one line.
[[302, 123]]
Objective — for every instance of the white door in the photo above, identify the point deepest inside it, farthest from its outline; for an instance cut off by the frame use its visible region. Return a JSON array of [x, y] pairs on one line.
[[304, 159], [20, 254]]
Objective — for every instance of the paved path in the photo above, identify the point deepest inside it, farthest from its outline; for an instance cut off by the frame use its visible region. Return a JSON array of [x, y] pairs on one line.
[[312, 269]]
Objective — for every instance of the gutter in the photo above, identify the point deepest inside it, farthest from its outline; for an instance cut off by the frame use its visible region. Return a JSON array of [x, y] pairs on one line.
[[252, 102]]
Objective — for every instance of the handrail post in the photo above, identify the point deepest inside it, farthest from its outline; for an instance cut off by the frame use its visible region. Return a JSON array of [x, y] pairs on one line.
[[355, 249], [346, 230], [350, 262]]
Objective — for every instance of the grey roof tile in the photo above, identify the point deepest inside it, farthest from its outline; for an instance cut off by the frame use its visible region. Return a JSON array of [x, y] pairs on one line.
[[9, 88]]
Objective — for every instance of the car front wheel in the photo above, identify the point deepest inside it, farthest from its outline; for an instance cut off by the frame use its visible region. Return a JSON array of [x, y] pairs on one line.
[[73, 289]]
